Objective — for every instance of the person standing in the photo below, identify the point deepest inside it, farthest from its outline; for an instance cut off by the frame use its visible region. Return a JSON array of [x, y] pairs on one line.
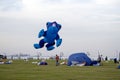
[[106, 58], [57, 60]]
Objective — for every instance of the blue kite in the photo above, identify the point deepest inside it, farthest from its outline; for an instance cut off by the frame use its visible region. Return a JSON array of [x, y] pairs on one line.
[[51, 36]]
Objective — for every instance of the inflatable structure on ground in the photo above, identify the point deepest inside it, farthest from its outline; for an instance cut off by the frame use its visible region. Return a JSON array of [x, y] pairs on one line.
[[80, 59], [51, 36], [118, 67], [43, 62]]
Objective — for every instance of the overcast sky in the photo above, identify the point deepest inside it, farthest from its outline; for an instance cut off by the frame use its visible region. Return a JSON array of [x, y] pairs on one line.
[[87, 26]]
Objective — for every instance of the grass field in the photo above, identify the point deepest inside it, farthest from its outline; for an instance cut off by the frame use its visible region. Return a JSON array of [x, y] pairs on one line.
[[21, 70]]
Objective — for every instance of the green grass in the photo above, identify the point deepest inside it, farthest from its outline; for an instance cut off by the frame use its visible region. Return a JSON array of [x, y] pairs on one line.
[[21, 70]]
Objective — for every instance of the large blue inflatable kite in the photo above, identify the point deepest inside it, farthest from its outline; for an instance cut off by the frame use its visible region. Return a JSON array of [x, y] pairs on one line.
[[79, 58], [50, 36]]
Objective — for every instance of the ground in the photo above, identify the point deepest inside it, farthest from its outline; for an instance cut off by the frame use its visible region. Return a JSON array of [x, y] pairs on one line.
[[22, 70]]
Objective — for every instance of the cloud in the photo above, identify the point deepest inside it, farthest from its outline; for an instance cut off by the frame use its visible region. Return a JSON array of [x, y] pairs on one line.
[[89, 24], [65, 1], [8, 5]]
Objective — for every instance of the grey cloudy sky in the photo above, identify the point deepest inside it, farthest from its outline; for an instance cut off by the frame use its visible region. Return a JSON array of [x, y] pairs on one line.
[[87, 25]]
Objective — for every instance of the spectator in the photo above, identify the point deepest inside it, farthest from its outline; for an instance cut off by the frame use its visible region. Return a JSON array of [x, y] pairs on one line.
[[57, 60]]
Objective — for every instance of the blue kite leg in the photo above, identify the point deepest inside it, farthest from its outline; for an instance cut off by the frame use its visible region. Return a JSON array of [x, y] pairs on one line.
[[50, 46]]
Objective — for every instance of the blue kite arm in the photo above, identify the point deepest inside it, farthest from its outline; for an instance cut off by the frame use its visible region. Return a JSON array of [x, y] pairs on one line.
[[41, 33], [58, 43], [58, 40]]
